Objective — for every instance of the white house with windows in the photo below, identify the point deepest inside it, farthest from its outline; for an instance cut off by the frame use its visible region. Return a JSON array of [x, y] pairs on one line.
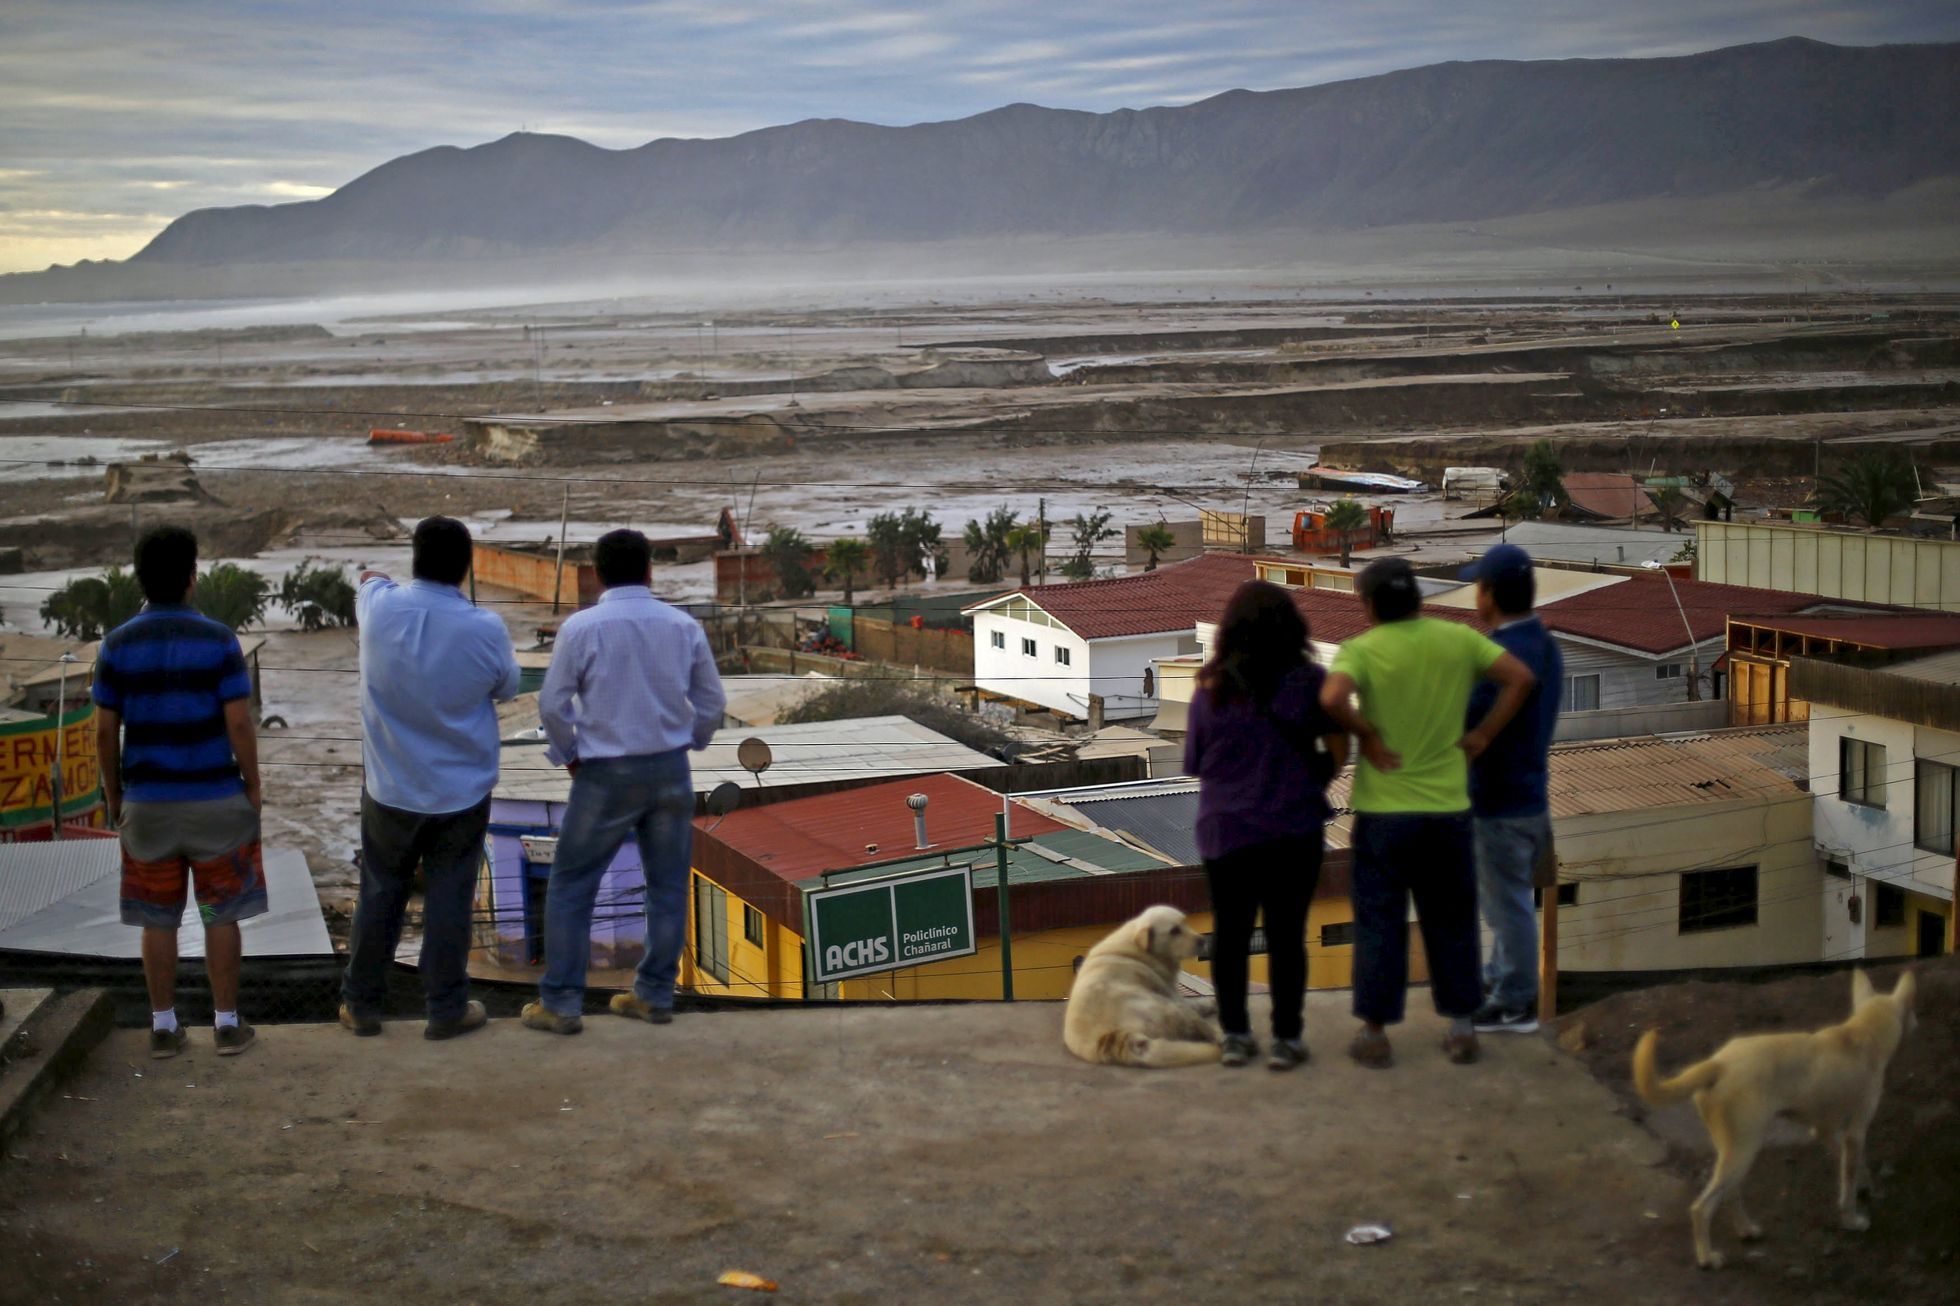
[[1060, 647], [1885, 773]]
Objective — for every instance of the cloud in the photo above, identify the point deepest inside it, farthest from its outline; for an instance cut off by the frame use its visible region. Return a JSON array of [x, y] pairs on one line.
[[212, 102]]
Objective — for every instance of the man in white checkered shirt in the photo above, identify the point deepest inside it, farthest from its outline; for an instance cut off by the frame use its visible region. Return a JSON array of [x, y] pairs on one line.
[[632, 687]]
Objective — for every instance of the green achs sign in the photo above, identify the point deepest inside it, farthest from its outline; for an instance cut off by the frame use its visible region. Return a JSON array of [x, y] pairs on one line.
[[861, 929]]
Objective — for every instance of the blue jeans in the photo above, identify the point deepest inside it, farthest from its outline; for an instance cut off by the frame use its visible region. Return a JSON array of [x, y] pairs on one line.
[[651, 800], [1508, 848], [1427, 856]]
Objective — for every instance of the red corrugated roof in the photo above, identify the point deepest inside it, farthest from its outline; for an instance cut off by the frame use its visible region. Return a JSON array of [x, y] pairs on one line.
[[1924, 630], [1336, 615], [1639, 613], [1169, 598], [828, 832]]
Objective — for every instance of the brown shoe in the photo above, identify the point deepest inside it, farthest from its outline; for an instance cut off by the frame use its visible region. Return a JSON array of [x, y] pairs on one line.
[[630, 1006], [536, 1016], [1460, 1048], [364, 1026], [1371, 1049], [474, 1017]]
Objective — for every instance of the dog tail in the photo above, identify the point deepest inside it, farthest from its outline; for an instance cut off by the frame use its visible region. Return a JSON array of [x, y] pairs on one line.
[[1654, 1090], [1122, 1048]]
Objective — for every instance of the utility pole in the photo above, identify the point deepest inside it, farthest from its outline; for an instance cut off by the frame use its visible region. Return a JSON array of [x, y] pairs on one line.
[[68, 659], [1000, 894], [1041, 540], [558, 573]]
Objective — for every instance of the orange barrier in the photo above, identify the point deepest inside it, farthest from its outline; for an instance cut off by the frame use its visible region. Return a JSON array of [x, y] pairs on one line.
[[381, 435]]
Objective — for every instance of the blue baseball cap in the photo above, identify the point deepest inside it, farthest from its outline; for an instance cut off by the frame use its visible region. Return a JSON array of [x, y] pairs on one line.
[[1501, 561]]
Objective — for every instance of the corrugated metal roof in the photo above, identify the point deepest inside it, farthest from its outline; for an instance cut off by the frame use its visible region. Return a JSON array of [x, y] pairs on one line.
[[1607, 494], [1166, 820], [1942, 668], [1056, 855], [1899, 632], [61, 898], [830, 832], [803, 754], [1622, 775], [1168, 599], [1642, 614]]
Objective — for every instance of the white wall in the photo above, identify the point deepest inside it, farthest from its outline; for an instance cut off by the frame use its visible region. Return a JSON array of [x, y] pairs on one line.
[[1629, 680], [1874, 841], [1113, 668]]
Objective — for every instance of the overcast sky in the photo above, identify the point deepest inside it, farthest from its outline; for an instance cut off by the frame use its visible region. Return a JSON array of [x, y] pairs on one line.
[[118, 115]]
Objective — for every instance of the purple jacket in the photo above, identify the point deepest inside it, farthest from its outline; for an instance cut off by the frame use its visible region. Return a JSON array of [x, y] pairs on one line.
[[1257, 781]]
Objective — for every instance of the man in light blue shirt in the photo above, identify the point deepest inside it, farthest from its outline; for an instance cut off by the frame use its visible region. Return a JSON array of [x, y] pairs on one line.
[[433, 665], [632, 687]]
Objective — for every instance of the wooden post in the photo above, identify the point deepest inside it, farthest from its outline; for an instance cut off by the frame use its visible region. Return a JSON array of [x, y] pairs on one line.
[[1546, 876], [1953, 907], [558, 577]]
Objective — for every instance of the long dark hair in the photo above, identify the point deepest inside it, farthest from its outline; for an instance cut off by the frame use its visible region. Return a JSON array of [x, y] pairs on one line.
[[1261, 639]]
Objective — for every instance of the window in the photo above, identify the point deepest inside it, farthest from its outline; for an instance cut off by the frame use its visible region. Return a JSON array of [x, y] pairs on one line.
[[1718, 900], [1027, 647], [1061, 655], [1667, 671], [1837, 870], [1861, 771], [997, 638], [752, 925], [1568, 896], [1932, 807], [711, 928], [1888, 906], [1340, 934], [1582, 693]]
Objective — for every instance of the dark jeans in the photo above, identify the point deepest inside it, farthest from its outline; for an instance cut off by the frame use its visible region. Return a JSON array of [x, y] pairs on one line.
[[1277, 880], [1429, 856], [649, 799], [449, 848]]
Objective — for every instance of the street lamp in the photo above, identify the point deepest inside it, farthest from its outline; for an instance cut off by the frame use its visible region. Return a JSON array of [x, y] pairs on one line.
[[1694, 663]]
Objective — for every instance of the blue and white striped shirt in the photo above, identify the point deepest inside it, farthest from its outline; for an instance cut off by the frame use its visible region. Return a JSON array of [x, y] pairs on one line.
[[630, 676], [168, 672]]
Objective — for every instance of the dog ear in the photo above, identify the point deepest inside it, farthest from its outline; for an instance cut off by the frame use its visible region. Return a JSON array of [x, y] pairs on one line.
[[1861, 989], [1147, 937], [1905, 990]]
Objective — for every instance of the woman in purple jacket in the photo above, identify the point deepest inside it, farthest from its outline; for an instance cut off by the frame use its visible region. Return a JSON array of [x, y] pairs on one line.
[[1263, 752]]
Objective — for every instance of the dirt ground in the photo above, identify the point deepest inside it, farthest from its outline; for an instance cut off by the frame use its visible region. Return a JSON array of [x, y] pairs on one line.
[[869, 1155], [1909, 1253]]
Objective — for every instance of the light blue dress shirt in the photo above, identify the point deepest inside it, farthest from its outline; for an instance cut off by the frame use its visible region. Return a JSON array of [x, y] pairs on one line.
[[433, 664], [629, 676]]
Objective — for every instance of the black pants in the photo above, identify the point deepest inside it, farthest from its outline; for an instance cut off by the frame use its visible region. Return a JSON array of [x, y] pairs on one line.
[[1427, 857], [1277, 880], [449, 848]]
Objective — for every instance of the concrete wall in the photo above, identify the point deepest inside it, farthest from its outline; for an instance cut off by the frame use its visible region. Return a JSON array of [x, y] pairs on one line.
[[1872, 841], [1839, 564], [899, 644], [1628, 867]]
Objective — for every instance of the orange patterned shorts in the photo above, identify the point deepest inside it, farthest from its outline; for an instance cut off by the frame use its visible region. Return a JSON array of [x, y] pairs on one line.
[[175, 841]]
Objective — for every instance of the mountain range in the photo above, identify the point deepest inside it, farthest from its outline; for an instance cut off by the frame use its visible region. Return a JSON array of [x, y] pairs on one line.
[[1452, 142]]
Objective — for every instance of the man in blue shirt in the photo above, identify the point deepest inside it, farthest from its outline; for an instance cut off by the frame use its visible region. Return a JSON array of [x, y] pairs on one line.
[[180, 779], [1511, 817], [632, 687], [433, 666]]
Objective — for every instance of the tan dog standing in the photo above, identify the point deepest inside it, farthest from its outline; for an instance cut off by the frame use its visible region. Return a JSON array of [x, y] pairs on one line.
[[1124, 1007], [1830, 1080]]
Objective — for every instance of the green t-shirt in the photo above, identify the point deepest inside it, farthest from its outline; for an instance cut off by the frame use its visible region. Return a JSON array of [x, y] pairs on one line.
[[1414, 679]]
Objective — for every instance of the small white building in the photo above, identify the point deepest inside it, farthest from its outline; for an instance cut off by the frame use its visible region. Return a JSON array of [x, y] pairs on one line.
[[1885, 773], [1061, 646]]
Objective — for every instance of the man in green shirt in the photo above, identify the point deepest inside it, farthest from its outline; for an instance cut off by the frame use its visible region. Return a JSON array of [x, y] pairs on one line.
[[1413, 676]]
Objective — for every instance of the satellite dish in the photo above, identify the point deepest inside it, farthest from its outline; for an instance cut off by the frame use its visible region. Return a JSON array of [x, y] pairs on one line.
[[724, 798], [754, 755]]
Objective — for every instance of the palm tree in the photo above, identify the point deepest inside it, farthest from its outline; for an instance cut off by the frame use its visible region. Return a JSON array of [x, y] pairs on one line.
[[317, 595], [1155, 541], [1027, 542], [789, 555], [232, 595], [89, 607], [1871, 488], [986, 545], [1346, 517], [844, 560], [1541, 486], [1090, 529], [1670, 503]]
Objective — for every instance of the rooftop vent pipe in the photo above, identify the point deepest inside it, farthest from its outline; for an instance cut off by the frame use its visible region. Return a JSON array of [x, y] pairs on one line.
[[917, 802]]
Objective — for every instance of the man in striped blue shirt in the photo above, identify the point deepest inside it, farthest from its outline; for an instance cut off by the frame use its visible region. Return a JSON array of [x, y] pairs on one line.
[[180, 779], [632, 687]]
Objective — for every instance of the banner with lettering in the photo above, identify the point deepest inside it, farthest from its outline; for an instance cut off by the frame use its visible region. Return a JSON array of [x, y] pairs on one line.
[[28, 753]]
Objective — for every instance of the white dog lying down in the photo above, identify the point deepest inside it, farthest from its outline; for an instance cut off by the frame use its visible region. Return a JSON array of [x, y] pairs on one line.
[[1830, 1080], [1124, 1009]]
